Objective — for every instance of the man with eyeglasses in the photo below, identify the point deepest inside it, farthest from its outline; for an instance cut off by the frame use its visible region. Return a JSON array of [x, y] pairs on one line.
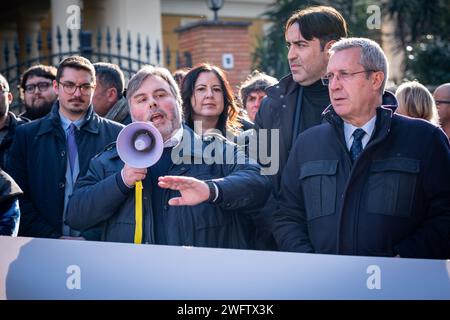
[[368, 181], [51, 153], [8, 121], [297, 101], [37, 91], [442, 98]]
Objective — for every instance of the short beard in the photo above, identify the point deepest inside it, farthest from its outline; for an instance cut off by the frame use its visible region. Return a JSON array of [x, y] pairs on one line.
[[34, 113]]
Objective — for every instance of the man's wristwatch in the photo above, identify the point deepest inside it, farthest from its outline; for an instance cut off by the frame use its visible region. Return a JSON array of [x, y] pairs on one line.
[[212, 191]]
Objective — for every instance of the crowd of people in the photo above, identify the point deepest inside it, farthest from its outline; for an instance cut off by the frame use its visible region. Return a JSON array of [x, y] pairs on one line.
[[361, 171]]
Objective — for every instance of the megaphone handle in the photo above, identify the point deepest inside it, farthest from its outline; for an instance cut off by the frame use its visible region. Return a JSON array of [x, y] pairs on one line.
[[138, 213]]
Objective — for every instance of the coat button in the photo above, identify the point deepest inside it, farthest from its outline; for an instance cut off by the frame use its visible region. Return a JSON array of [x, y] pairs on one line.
[[281, 96], [284, 106], [61, 185], [63, 153]]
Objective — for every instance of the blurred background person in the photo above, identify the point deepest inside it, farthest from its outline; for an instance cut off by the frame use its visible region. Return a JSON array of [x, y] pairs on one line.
[[415, 101], [37, 92], [253, 90], [109, 99], [208, 98], [442, 100], [179, 75], [9, 205], [8, 121]]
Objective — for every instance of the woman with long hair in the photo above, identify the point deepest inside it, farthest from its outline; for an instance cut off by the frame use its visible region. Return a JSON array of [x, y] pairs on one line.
[[209, 100]]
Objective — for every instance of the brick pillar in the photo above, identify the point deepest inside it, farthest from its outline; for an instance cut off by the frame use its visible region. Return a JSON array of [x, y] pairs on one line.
[[225, 44]]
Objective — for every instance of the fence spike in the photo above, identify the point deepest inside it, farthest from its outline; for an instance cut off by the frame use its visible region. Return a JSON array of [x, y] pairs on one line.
[[119, 45], [158, 54], [6, 55], [147, 49], [49, 47], [138, 46], [108, 43], [168, 56]]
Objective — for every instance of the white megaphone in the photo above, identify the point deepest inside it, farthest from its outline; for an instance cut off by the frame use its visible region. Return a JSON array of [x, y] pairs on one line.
[[140, 145]]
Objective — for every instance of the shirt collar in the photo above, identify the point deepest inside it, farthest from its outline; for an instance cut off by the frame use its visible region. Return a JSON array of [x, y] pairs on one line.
[[65, 123], [175, 139], [368, 128]]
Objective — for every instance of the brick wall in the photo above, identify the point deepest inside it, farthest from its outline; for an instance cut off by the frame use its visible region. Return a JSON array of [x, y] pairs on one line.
[[207, 41]]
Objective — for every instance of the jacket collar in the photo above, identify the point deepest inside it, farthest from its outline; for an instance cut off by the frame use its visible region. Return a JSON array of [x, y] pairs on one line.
[[285, 86], [53, 120], [384, 113], [190, 148]]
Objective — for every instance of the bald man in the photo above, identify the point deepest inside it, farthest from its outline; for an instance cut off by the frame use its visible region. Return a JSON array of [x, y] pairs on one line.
[[442, 99]]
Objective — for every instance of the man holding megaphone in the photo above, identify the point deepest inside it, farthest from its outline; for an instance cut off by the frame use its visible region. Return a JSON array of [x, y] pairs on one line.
[[187, 198]]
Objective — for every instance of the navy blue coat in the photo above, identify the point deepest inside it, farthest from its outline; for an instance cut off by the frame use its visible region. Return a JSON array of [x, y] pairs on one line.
[[394, 200], [38, 161], [102, 197], [5, 145]]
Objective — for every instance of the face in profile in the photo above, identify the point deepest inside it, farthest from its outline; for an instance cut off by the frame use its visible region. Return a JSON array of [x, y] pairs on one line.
[[353, 90], [307, 61]]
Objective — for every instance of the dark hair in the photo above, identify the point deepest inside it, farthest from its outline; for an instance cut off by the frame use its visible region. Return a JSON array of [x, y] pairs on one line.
[[321, 22], [40, 70], [75, 62], [179, 75], [229, 118], [256, 81], [110, 76]]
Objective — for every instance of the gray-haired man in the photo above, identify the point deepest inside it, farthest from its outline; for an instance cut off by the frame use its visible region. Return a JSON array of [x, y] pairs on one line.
[[368, 181]]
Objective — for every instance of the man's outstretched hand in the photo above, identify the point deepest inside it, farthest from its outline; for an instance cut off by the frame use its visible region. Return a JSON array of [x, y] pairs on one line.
[[193, 191]]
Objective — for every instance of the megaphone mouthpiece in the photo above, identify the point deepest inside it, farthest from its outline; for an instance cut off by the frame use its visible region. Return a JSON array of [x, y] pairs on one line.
[[140, 145], [142, 141]]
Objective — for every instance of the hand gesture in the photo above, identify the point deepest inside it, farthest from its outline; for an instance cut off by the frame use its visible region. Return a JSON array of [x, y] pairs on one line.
[[193, 191]]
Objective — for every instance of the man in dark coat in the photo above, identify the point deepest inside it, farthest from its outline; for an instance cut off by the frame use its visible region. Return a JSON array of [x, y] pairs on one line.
[[369, 181], [8, 121], [297, 101], [195, 195], [49, 154]]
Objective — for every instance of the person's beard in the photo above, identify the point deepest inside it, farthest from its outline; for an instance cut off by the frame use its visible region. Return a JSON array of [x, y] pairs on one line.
[[4, 108], [34, 113]]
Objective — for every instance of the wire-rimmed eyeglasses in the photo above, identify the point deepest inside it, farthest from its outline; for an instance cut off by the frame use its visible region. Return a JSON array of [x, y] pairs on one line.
[[326, 79]]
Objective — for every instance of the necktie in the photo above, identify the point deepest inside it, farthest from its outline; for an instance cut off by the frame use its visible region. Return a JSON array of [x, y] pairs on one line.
[[356, 148], [72, 146]]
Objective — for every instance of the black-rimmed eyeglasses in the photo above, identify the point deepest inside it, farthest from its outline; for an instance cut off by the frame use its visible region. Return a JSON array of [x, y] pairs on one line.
[[439, 102], [42, 86], [70, 88]]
